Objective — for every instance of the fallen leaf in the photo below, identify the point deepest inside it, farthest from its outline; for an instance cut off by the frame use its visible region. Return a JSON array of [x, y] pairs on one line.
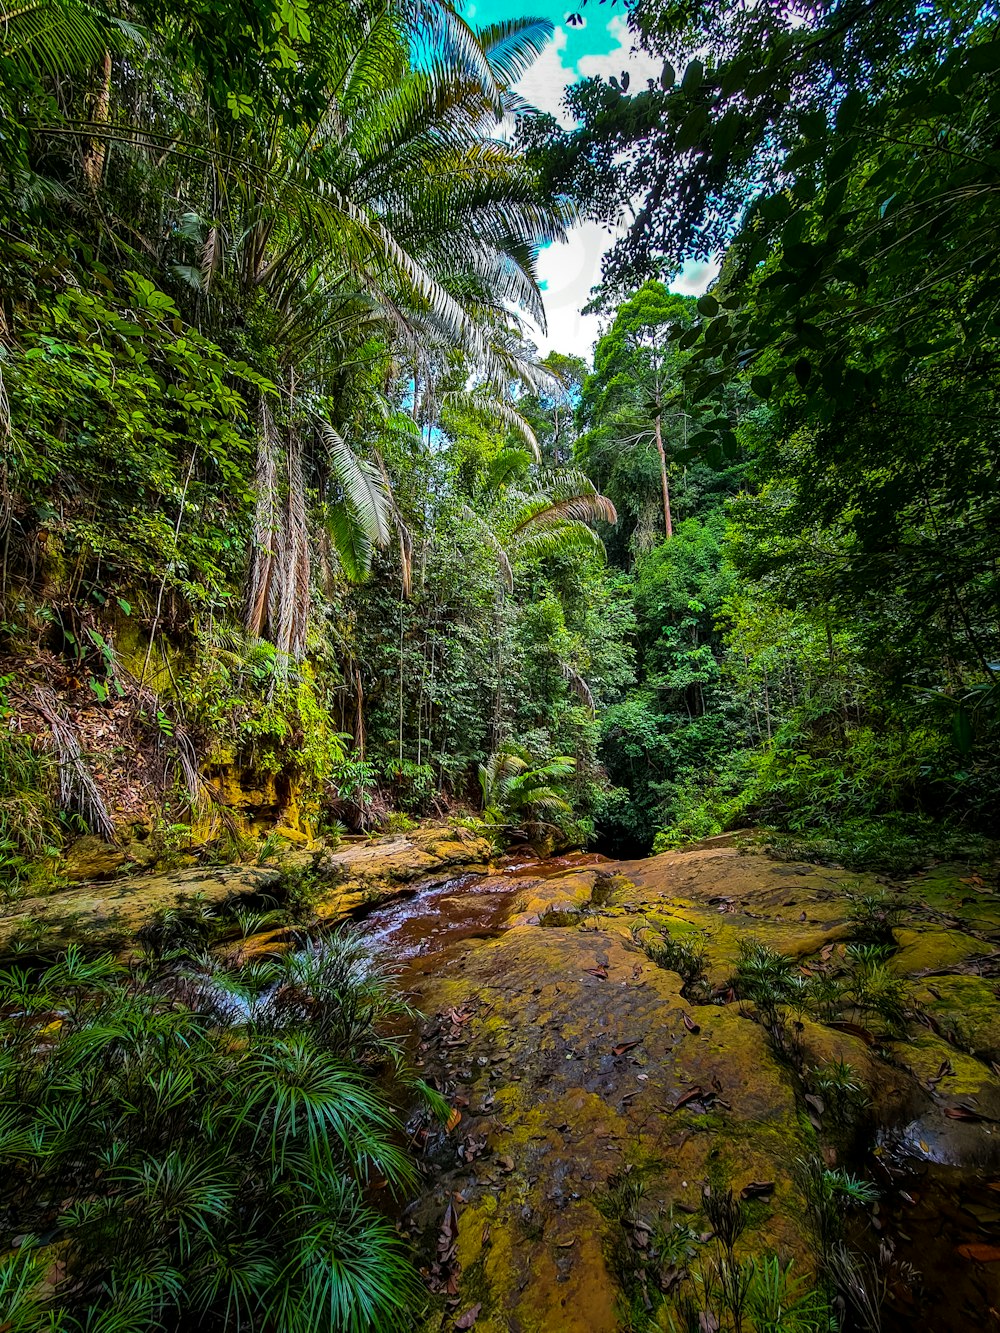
[[757, 1189], [981, 1252], [449, 1235], [601, 972], [695, 1094], [925, 1148], [943, 1072], [670, 1277], [507, 1163], [453, 1120], [962, 1113], [469, 1318], [624, 1046], [691, 1027]]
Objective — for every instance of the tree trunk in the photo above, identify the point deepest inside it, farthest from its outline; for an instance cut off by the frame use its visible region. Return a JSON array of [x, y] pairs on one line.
[[279, 583], [667, 522], [93, 157]]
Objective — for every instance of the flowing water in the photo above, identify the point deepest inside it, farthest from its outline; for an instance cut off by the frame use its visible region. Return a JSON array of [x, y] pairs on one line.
[[419, 931]]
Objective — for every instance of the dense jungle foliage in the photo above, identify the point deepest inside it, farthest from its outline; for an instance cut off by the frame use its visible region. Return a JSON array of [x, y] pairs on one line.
[[297, 529], [286, 489], [819, 644]]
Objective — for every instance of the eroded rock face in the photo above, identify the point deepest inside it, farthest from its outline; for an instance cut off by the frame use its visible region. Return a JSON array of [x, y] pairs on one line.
[[578, 1064]]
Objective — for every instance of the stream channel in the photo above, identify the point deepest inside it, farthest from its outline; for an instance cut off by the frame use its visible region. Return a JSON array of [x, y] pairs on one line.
[[573, 1061]]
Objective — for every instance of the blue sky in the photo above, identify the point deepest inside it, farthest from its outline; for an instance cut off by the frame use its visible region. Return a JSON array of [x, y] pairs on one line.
[[601, 46]]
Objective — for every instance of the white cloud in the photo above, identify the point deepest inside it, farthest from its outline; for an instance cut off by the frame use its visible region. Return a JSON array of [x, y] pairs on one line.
[[569, 271], [695, 278], [639, 65], [544, 84]]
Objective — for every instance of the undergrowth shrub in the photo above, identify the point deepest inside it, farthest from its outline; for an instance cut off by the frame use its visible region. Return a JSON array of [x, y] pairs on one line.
[[189, 1147], [30, 828]]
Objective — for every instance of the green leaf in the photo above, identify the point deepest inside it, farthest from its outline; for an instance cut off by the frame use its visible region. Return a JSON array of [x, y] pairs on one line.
[[708, 305], [849, 110], [961, 730]]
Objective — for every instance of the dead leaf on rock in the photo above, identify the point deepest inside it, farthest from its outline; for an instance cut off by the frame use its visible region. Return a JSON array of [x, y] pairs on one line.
[[853, 1030], [691, 1026], [962, 1113], [944, 1071], [695, 1094], [600, 972], [981, 1252], [453, 1120], [506, 1163], [449, 1233], [624, 1046], [468, 1319]]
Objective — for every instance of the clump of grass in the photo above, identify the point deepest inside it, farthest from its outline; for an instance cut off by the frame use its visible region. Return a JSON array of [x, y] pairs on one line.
[[687, 957], [874, 917], [830, 1195], [199, 1146], [31, 830], [843, 1093], [765, 977], [396, 821]]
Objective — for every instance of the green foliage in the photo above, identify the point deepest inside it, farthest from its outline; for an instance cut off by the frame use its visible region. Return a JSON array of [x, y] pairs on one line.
[[518, 787], [846, 355], [841, 1091], [686, 957], [196, 1145], [30, 828], [831, 1194]]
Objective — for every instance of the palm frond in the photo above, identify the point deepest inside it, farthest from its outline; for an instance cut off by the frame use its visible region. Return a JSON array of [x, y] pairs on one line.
[[495, 411], [57, 38], [513, 45]]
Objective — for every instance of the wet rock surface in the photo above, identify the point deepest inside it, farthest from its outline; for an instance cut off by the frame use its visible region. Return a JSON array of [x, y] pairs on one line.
[[339, 882], [579, 1070]]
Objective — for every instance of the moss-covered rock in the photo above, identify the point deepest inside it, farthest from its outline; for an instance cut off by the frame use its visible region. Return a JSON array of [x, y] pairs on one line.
[[575, 1060], [337, 883]]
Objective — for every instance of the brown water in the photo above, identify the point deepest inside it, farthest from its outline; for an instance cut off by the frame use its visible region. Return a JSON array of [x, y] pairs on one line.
[[938, 1220], [423, 929]]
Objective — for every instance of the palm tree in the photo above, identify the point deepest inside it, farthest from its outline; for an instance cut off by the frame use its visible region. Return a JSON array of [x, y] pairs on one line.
[[390, 208], [534, 515], [416, 225]]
